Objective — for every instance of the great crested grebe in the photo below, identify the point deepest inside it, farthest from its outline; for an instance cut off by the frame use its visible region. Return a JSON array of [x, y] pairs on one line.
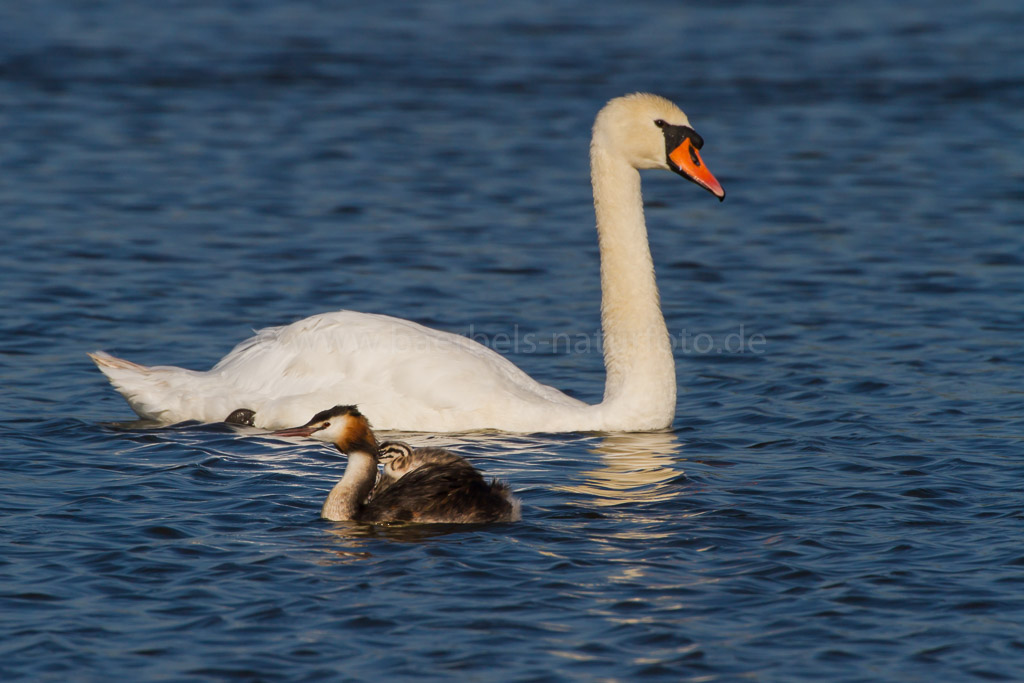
[[436, 487], [410, 377]]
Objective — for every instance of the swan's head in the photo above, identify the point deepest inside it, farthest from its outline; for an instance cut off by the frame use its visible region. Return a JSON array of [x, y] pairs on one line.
[[344, 426], [648, 131]]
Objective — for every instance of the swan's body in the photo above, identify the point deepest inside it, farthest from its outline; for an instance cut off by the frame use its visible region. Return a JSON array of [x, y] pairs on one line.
[[406, 376], [430, 486]]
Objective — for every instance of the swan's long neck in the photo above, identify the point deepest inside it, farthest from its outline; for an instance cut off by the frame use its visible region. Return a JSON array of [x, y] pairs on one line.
[[349, 495], [641, 379]]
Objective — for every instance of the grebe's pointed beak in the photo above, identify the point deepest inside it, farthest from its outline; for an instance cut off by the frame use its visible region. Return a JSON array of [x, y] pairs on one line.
[[294, 431], [685, 160]]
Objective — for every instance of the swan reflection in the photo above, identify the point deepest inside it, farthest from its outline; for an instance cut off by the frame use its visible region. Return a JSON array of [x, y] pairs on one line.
[[630, 467]]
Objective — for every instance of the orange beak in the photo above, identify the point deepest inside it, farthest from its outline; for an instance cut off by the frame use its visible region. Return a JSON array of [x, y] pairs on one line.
[[688, 163]]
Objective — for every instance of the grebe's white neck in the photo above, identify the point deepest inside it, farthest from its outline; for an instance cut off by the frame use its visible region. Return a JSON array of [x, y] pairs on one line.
[[349, 431], [350, 494]]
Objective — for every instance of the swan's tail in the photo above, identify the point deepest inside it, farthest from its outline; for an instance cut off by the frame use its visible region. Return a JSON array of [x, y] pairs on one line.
[[109, 364], [164, 393]]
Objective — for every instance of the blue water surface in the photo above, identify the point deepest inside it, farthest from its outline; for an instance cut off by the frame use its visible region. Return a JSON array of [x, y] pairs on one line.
[[839, 498]]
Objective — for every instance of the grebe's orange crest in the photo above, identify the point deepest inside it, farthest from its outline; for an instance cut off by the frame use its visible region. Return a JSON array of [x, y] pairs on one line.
[[356, 435]]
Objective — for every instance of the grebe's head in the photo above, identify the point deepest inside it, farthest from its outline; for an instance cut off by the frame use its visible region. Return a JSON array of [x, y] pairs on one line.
[[344, 426], [649, 131]]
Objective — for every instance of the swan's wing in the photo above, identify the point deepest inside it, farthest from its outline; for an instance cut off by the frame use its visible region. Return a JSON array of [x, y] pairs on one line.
[[395, 370]]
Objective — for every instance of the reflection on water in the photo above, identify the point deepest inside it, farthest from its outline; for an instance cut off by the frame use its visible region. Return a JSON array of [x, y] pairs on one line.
[[618, 469], [479, 443], [632, 467], [345, 547], [355, 534]]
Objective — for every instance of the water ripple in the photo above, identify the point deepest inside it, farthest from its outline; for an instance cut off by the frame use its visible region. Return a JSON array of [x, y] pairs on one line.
[[841, 504]]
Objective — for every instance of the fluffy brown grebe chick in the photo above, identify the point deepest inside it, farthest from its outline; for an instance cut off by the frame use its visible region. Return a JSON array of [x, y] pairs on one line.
[[399, 458], [441, 490]]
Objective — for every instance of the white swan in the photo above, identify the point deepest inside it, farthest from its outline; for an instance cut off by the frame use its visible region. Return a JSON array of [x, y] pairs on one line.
[[409, 377]]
